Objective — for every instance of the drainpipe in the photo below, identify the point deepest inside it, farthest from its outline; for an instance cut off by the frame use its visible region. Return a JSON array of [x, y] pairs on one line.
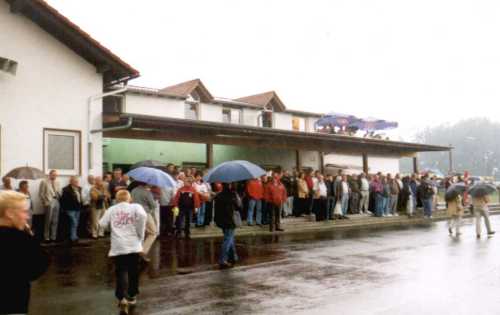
[[89, 113]]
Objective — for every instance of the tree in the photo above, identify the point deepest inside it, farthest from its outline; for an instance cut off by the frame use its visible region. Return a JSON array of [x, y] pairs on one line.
[[476, 146]]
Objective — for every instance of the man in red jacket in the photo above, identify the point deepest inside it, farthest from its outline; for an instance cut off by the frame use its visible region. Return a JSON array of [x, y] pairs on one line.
[[255, 193], [276, 197], [187, 200]]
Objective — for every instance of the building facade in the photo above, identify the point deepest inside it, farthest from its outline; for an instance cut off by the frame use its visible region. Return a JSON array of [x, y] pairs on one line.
[[48, 100]]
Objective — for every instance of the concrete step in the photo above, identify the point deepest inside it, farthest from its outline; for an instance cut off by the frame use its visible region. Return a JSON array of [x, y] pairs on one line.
[[302, 225]]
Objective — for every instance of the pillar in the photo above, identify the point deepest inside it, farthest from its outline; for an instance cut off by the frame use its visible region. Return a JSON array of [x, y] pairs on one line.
[[365, 163], [415, 164], [322, 162], [298, 161], [210, 155]]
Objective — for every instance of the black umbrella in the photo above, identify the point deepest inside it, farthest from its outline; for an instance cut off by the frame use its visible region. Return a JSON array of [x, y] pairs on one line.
[[26, 172], [481, 189], [148, 163], [454, 190]]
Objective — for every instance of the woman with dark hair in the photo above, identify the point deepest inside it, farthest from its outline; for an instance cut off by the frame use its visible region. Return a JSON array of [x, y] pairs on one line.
[[226, 203]]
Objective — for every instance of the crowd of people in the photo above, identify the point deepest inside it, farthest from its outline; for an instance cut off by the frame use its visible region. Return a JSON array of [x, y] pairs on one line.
[[135, 214], [74, 211]]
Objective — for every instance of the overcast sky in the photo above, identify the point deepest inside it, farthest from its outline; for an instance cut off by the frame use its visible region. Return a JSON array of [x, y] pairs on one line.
[[420, 63]]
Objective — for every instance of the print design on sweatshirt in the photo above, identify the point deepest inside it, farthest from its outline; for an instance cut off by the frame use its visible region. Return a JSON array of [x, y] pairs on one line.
[[122, 219]]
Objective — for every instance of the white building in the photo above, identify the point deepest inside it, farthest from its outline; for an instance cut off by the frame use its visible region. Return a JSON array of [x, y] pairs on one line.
[[258, 128], [49, 71]]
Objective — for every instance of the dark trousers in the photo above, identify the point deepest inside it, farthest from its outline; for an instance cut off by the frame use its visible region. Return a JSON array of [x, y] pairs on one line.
[[320, 209], [310, 203], [37, 226], [127, 276], [297, 207], [274, 217], [265, 212], [166, 220], [184, 221]]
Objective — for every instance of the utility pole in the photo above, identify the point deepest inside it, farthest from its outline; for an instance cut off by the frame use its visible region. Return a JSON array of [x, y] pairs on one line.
[[451, 160]]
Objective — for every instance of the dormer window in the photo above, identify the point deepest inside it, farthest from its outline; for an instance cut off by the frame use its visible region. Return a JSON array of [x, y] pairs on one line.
[[191, 111], [226, 115], [267, 119]]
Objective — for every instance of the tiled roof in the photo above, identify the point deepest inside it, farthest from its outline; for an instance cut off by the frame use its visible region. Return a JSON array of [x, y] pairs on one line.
[[185, 89], [264, 99]]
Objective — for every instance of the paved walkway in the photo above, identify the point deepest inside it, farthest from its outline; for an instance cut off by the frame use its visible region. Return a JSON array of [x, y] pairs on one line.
[[415, 269]]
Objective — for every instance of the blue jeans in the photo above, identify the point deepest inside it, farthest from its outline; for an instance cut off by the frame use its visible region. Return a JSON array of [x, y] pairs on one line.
[[345, 203], [74, 218], [379, 205], [228, 250], [200, 219], [427, 203], [385, 206], [257, 205]]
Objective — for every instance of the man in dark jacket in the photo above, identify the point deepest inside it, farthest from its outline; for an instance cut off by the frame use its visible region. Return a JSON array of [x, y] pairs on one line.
[[71, 204], [23, 261], [225, 204]]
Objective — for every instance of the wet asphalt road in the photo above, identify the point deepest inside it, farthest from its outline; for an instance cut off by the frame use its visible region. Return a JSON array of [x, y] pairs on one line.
[[410, 270]]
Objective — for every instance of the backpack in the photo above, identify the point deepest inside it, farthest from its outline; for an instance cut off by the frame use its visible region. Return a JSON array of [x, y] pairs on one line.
[[427, 190]]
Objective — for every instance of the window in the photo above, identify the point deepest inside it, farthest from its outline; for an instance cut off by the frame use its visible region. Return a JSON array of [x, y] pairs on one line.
[[298, 124], [226, 115], [191, 111], [267, 119], [61, 149]]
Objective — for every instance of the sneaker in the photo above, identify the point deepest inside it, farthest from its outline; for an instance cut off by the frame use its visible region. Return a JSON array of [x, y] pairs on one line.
[[478, 236], [450, 231], [123, 306], [491, 233], [132, 301]]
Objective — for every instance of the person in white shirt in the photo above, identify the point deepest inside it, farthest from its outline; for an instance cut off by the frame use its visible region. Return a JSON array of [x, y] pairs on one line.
[[202, 189], [321, 192], [127, 223], [364, 186]]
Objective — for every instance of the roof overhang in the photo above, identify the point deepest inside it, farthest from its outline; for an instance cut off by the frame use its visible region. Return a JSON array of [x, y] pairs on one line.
[[114, 69], [195, 131]]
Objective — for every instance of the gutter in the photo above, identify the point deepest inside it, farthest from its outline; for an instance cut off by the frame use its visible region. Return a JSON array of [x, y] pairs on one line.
[[128, 125]]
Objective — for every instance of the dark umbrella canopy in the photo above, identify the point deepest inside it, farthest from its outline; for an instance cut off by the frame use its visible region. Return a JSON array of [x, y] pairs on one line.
[[454, 190], [234, 171], [148, 163], [26, 172], [481, 189]]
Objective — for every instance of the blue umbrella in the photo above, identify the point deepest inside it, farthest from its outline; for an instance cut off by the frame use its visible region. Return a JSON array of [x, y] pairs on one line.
[[233, 171], [152, 176], [373, 124], [336, 119]]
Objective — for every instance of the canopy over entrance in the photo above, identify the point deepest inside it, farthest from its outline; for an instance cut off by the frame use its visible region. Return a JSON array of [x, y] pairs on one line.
[[133, 126]]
